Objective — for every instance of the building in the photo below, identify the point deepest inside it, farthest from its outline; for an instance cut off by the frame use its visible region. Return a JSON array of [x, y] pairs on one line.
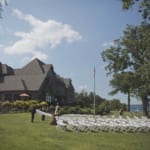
[[37, 80]]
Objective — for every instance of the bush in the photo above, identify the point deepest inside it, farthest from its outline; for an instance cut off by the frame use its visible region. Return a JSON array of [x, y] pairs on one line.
[[6, 106], [86, 111], [32, 102], [74, 110], [63, 110], [18, 105], [43, 103], [51, 109], [21, 105]]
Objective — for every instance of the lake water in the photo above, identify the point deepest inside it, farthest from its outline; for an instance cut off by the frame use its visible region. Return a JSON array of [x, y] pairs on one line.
[[137, 108]]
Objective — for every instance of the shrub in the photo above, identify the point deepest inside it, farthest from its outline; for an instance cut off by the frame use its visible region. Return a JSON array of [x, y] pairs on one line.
[[33, 102], [6, 104], [51, 109], [18, 105], [43, 103], [86, 111], [63, 110], [21, 105]]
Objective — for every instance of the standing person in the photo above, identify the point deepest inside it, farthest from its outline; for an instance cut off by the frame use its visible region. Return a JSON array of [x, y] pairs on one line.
[[56, 109], [121, 112], [33, 110], [43, 116], [54, 115]]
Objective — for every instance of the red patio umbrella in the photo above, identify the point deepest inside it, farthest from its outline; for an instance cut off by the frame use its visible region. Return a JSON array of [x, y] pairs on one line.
[[24, 95]]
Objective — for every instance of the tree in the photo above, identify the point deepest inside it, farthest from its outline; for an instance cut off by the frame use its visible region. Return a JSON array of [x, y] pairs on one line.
[[2, 2], [84, 99], [115, 104], [143, 7], [1, 9], [132, 53], [123, 82]]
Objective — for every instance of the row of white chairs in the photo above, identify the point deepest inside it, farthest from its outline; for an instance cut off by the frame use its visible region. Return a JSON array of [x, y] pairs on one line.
[[73, 122]]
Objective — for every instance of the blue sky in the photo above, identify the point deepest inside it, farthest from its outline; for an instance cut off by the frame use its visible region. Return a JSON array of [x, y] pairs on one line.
[[70, 34]]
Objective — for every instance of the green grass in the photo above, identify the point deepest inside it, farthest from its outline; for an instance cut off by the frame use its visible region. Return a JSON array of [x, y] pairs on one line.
[[18, 133]]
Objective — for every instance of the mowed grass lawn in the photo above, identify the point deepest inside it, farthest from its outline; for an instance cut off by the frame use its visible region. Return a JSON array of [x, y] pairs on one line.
[[18, 133]]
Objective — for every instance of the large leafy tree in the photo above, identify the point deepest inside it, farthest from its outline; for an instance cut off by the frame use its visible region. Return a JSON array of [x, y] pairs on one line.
[[85, 99], [143, 7], [132, 53], [1, 9], [2, 2], [143, 72], [123, 82]]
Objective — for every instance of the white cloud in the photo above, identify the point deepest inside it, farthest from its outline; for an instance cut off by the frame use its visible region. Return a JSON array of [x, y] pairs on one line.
[[40, 55], [41, 35], [1, 46], [25, 59]]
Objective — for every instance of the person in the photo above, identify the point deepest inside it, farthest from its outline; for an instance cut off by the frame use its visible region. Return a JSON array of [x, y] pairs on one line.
[[43, 116], [121, 112], [53, 120], [56, 109], [54, 115], [33, 110]]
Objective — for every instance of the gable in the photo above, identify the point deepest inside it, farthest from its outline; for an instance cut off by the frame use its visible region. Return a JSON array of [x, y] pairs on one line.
[[33, 68], [30, 77], [6, 70]]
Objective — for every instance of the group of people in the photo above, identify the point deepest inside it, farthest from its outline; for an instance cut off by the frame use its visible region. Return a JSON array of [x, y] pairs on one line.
[[33, 111], [44, 109]]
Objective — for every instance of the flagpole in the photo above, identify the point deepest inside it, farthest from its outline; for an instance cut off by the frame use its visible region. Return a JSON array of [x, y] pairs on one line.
[[94, 92]]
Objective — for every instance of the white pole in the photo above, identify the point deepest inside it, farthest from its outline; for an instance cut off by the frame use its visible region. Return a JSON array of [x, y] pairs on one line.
[[94, 92]]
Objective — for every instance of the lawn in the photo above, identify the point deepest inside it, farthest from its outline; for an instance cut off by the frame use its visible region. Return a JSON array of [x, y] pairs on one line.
[[18, 133]]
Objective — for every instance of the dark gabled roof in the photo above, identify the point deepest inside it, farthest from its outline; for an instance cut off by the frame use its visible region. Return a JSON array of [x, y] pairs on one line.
[[22, 83], [67, 83], [34, 67], [5, 69], [30, 77]]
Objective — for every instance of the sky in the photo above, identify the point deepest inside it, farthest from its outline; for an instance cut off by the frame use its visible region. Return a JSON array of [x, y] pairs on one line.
[[70, 34]]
